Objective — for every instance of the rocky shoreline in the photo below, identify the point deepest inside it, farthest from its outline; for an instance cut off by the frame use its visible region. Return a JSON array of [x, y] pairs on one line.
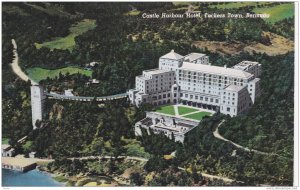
[[82, 179]]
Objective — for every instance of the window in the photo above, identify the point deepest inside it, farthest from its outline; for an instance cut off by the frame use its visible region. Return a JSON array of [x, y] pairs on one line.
[[196, 97], [201, 98], [180, 94], [186, 95], [164, 96], [175, 95], [191, 96], [169, 94], [206, 99], [211, 100], [228, 109]]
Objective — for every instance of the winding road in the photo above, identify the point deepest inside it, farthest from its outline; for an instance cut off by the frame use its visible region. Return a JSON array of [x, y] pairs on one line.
[[219, 136], [40, 160], [15, 64]]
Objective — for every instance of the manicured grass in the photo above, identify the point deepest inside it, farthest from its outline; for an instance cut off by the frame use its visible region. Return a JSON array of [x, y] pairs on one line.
[[37, 74], [278, 12], [166, 110], [184, 110], [237, 5], [68, 42], [5, 140], [198, 115]]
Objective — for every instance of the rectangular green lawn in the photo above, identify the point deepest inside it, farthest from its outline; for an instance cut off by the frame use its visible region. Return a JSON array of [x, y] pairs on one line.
[[197, 116], [235, 5], [278, 12], [166, 110], [37, 74], [184, 110]]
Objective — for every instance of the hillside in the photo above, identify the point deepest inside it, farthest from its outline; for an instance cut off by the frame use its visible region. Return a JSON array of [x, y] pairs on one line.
[[279, 46]]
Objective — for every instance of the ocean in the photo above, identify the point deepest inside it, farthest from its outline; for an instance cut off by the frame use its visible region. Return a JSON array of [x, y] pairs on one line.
[[33, 178]]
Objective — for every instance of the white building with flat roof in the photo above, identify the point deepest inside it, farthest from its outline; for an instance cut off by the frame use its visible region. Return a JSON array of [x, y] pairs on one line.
[[192, 80]]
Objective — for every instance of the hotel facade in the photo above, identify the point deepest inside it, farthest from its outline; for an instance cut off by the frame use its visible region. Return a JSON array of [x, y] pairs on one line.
[[192, 80]]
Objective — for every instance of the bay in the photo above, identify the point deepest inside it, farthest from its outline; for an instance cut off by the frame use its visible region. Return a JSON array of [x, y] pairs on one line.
[[33, 178]]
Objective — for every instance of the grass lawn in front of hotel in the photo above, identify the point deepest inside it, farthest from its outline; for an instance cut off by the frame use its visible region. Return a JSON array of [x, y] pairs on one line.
[[184, 110], [167, 109], [197, 116]]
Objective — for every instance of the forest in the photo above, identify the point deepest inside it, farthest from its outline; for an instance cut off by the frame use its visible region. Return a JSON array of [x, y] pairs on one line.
[[124, 45]]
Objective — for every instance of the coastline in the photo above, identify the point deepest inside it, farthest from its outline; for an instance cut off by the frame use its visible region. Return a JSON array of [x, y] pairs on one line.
[[80, 180], [32, 178]]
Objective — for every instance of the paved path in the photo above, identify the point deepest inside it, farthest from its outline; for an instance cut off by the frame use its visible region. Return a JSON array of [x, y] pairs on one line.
[[40, 160], [225, 179], [219, 136]]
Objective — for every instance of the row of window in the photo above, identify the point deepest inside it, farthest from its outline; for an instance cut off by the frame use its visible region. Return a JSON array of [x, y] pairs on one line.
[[200, 90], [209, 83], [158, 89], [194, 77], [200, 75], [196, 97], [228, 103]]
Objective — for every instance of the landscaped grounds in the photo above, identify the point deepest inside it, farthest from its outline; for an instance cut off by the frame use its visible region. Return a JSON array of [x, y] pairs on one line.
[[183, 111], [278, 12], [169, 109], [37, 74], [197, 116], [68, 42]]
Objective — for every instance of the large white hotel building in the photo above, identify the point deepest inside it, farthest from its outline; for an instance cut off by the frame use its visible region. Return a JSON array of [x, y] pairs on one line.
[[192, 80]]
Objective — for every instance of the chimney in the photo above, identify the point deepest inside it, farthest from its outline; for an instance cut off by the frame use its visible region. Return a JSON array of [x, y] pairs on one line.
[[172, 51], [225, 66]]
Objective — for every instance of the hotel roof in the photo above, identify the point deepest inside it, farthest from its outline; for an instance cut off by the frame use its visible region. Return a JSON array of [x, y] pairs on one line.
[[234, 88], [193, 56], [156, 71], [215, 70], [244, 65], [172, 55]]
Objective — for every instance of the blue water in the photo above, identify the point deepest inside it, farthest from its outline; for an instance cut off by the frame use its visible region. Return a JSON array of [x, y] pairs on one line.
[[33, 178]]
